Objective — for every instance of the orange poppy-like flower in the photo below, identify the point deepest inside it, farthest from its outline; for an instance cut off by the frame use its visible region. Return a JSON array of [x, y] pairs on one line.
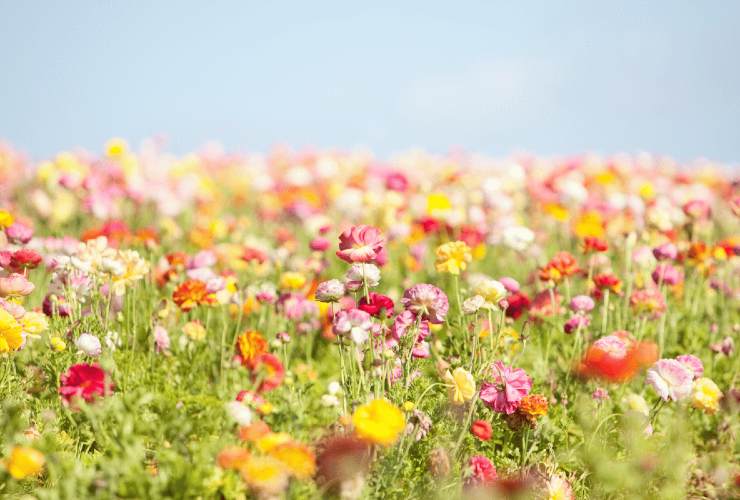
[[232, 457], [250, 344], [192, 293], [297, 457], [533, 406], [617, 357], [561, 266]]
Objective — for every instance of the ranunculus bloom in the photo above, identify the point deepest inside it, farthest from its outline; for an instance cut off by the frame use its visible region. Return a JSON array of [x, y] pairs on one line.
[[706, 395], [667, 274], [575, 323], [250, 346], [11, 338], [84, 381], [376, 303], [561, 266], [192, 293], [378, 422], [693, 363], [269, 370], [481, 472], [319, 244], [617, 357], [481, 429], [15, 285], [508, 388], [360, 243], [355, 323], [582, 304], [428, 301], [666, 251], [453, 257], [19, 233], [671, 379], [25, 258], [24, 462], [89, 344], [360, 274], [460, 385], [330, 291], [519, 303]]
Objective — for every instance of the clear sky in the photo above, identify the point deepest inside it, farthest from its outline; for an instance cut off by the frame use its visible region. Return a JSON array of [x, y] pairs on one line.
[[550, 77]]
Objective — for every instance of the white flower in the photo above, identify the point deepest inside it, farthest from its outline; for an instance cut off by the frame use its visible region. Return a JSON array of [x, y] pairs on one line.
[[239, 412], [518, 237], [112, 340], [335, 388], [89, 344], [369, 273], [471, 305], [329, 400]]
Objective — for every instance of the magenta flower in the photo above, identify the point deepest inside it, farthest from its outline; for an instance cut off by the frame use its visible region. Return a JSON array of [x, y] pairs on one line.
[[667, 274], [19, 233], [671, 379], [582, 304], [482, 472], [576, 322], [508, 388], [428, 301], [666, 251], [360, 243], [693, 363]]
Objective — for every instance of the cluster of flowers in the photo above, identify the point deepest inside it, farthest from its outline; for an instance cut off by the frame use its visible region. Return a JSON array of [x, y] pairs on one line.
[[403, 283]]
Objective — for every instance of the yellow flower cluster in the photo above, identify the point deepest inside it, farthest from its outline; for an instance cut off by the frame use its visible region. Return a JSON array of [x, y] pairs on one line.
[[453, 257], [378, 422]]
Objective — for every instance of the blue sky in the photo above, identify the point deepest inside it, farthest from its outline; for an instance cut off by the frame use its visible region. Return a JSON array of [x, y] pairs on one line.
[[495, 77]]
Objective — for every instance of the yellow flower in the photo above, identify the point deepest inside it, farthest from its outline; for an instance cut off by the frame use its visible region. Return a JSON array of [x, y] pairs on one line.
[[269, 441], [637, 403], [292, 280], [460, 385], [10, 332], [194, 330], [453, 257], [116, 147], [34, 322], [379, 422], [558, 212], [589, 224], [408, 406], [57, 344], [438, 204], [24, 462], [297, 458], [706, 395], [266, 474], [6, 219]]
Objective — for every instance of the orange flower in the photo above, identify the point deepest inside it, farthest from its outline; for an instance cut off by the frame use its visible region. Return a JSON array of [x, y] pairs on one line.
[[192, 293], [254, 431], [299, 460], [250, 344], [533, 406], [592, 244], [232, 457], [561, 266]]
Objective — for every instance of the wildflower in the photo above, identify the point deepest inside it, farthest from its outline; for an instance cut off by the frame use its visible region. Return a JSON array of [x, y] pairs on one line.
[[510, 284], [19, 233], [6, 219], [269, 370], [453, 257], [558, 488], [473, 304], [546, 303], [292, 281], [194, 330], [592, 244], [648, 301], [57, 344], [84, 381], [706, 395], [460, 385], [518, 304], [232, 457], [575, 323], [617, 357], [607, 281], [89, 344], [359, 275], [378, 422], [319, 244], [192, 293], [330, 291], [15, 285], [297, 458], [726, 346], [428, 301], [24, 462], [24, 258], [481, 429], [600, 394], [508, 388], [481, 472], [637, 404], [250, 346], [161, 339], [671, 379], [419, 425], [354, 322], [11, 338], [265, 474], [582, 304], [693, 363], [533, 406], [360, 244], [667, 274], [517, 237], [239, 412], [490, 289], [666, 251], [561, 266], [376, 305]]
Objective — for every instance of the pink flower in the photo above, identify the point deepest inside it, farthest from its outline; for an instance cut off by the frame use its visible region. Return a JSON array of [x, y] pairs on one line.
[[667, 274], [582, 304], [508, 388], [482, 472], [360, 244], [428, 301], [576, 322], [15, 285], [671, 379], [161, 339], [355, 323], [330, 291], [666, 251], [319, 244], [511, 285], [693, 363], [19, 233]]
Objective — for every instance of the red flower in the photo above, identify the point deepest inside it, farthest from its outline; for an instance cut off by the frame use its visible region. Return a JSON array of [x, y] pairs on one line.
[[482, 472], [592, 244], [481, 429], [192, 293], [269, 370], [24, 259], [361, 243], [561, 266], [607, 281], [617, 357], [254, 254], [376, 304], [84, 381], [518, 303]]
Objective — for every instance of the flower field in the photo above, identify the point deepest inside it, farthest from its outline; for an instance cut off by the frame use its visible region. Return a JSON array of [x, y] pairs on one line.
[[325, 324]]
